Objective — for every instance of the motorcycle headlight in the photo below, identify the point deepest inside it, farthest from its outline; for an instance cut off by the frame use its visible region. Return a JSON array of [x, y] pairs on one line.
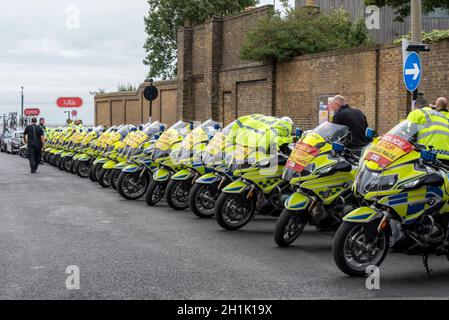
[[411, 184], [382, 183]]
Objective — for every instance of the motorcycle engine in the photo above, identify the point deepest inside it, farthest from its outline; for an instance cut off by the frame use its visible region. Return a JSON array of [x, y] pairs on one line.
[[429, 232]]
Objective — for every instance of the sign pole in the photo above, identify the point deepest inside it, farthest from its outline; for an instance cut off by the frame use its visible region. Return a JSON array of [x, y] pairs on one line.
[[151, 93], [416, 23], [21, 114]]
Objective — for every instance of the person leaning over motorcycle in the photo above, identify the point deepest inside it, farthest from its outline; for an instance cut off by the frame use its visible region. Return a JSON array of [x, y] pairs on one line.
[[442, 106], [354, 119], [433, 128]]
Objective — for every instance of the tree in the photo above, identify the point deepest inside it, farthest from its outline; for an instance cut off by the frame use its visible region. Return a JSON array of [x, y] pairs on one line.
[[164, 19], [402, 7], [302, 31]]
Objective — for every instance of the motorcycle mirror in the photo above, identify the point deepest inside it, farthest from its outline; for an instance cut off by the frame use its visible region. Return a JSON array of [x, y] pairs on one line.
[[338, 147], [191, 125], [217, 126], [162, 128], [140, 128], [369, 133], [298, 133]]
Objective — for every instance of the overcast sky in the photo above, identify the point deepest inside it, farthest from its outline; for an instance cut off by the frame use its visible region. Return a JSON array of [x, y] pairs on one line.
[[46, 49]]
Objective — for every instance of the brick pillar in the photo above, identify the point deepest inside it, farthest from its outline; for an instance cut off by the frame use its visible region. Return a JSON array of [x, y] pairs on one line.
[[213, 59], [185, 81]]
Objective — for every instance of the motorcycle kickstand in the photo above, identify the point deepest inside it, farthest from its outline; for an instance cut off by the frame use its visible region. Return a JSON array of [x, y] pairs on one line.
[[425, 259]]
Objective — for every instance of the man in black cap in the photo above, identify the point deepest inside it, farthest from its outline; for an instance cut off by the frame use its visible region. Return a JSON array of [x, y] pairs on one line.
[[34, 137]]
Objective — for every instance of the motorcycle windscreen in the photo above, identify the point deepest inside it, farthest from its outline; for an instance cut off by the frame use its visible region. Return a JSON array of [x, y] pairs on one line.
[[173, 135], [194, 143], [311, 145], [392, 146], [220, 145]]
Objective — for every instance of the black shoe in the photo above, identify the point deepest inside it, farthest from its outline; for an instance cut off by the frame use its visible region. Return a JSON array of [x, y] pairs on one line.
[[33, 171]]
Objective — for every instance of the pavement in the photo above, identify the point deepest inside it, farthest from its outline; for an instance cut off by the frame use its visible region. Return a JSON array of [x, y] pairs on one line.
[[127, 250]]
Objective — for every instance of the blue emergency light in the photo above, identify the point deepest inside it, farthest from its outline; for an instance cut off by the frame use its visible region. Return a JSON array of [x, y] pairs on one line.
[[428, 156], [338, 147]]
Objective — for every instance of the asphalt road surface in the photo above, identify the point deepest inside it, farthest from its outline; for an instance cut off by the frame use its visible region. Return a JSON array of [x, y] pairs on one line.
[[126, 250]]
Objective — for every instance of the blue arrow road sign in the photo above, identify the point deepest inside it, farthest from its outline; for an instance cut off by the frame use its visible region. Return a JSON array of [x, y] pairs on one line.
[[412, 71]]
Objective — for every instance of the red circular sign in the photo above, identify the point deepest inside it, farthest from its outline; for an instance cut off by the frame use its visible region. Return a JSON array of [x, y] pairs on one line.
[[31, 112], [69, 102], [74, 113]]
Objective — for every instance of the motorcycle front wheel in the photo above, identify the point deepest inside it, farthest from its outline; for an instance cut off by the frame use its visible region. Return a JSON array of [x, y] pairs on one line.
[[68, 164], [234, 211], [104, 178], [354, 253], [132, 186], [177, 194], [114, 178], [202, 200], [289, 227], [155, 192], [60, 163], [82, 168]]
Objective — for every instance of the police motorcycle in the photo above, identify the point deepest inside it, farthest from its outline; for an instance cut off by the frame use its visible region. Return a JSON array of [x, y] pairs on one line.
[[207, 188], [66, 159], [85, 146], [52, 139], [106, 145], [93, 149], [60, 145], [120, 155], [257, 164], [405, 190], [321, 171], [113, 155], [189, 158], [162, 160], [133, 179]]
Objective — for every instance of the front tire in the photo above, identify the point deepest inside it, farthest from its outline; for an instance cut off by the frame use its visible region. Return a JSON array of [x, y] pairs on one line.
[[104, 178], [92, 172], [177, 194], [132, 186], [155, 192], [68, 164], [60, 163], [353, 253], [114, 178], [82, 168], [202, 200], [234, 211], [289, 227]]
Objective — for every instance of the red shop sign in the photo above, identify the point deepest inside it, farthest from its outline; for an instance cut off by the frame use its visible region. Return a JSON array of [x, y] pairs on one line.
[[69, 102], [31, 112]]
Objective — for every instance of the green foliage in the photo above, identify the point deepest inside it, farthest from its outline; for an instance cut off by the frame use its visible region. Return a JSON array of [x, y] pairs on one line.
[[126, 88], [164, 19], [402, 7], [428, 37], [302, 31], [99, 91]]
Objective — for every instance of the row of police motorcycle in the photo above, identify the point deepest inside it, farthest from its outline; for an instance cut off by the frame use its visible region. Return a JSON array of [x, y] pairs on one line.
[[395, 196]]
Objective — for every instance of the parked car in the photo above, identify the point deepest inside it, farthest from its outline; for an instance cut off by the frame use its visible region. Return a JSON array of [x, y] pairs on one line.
[[3, 137], [14, 142]]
